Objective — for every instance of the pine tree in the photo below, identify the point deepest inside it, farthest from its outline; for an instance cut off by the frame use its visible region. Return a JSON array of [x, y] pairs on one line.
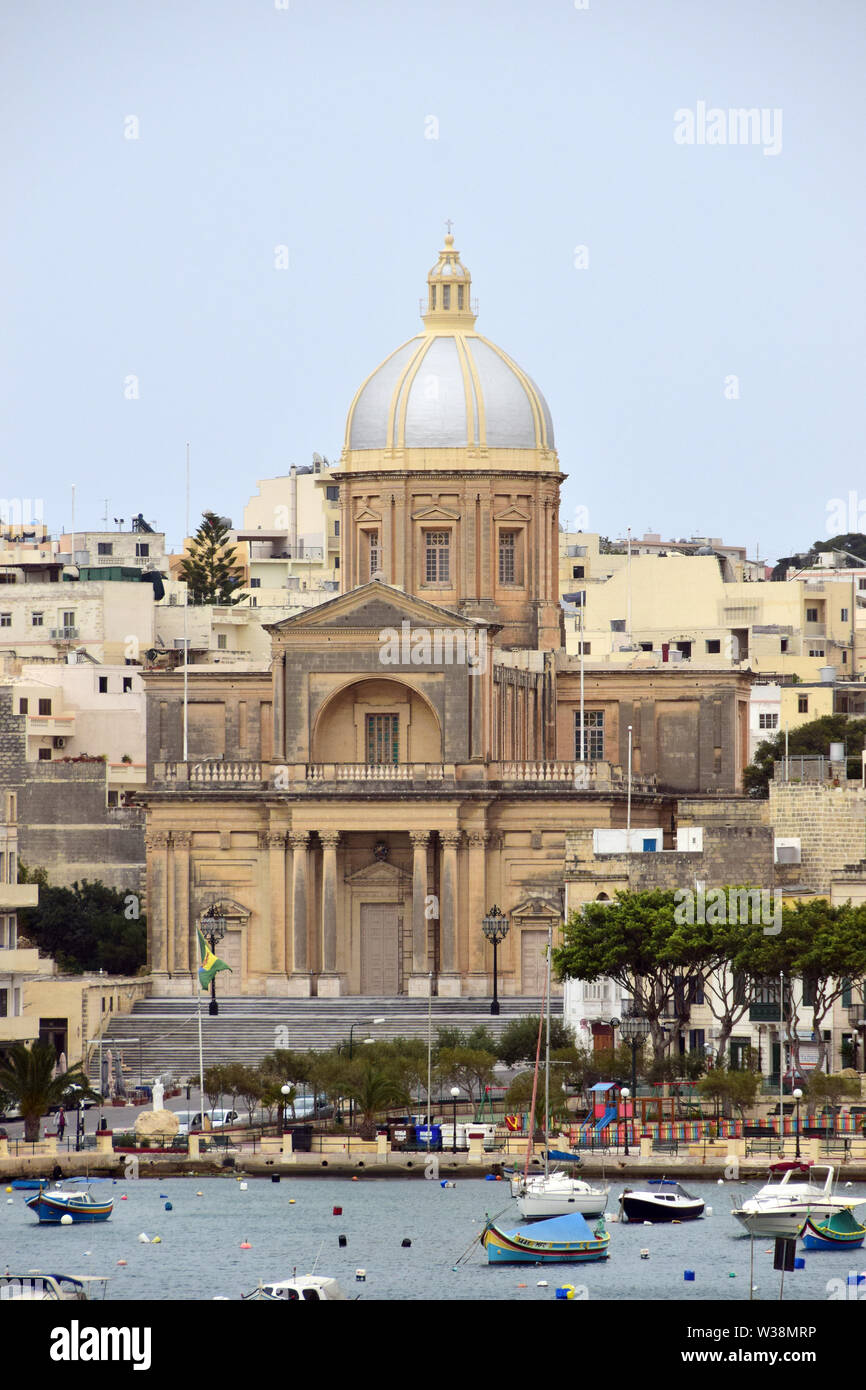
[[209, 567]]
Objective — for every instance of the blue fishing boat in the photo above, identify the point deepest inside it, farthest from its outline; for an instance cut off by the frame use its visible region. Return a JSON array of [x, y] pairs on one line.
[[28, 1184], [560, 1240], [841, 1231], [51, 1206]]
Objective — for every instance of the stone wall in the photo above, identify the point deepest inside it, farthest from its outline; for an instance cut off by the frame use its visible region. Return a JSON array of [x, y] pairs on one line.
[[831, 824], [732, 855]]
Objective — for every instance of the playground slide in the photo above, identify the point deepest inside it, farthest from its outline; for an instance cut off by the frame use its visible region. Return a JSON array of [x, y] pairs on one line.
[[609, 1114]]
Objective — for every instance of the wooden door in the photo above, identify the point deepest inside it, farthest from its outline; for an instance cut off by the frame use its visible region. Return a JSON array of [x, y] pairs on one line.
[[533, 961], [380, 949]]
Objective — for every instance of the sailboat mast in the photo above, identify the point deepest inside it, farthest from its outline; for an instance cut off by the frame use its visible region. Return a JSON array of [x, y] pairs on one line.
[[547, 1060]]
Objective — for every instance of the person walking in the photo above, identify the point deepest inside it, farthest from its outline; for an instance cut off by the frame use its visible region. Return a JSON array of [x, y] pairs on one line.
[[61, 1124]]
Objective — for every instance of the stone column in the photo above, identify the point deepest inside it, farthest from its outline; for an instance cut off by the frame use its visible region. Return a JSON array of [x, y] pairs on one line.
[[156, 842], [276, 840], [449, 976], [478, 842], [299, 983], [182, 925], [329, 986], [419, 982]]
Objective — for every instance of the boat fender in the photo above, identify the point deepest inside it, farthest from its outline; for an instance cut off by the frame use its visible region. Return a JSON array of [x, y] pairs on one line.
[[708, 1211], [66, 1219], [121, 1262], [336, 1211], [245, 1245], [291, 1201], [243, 1187], [124, 1198], [406, 1242], [9, 1200], [157, 1240], [341, 1241], [169, 1207], [143, 1239]]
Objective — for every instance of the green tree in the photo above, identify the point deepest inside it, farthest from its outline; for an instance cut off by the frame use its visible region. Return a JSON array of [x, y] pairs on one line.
[[468, 1067], [831, 1089], [519, 1039], [209, 565], [373, 1088], [250, 1087], [86, 927], [814, 737], [518, 1097], [27, 1074]]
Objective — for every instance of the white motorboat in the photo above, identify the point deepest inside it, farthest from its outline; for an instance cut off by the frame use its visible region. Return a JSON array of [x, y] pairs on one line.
[[661, 1200], [559, 1194], [781, 1208], [36, 1287], [310, 1288]]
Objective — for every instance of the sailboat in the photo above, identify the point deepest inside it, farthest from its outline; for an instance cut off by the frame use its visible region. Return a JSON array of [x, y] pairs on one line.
[[554, 1193]]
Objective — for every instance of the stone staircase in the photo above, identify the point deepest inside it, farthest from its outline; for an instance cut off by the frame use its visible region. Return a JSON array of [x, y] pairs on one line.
[[161, 1035]]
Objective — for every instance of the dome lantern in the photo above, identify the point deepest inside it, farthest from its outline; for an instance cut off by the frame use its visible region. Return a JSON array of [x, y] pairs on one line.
[[449, 288]]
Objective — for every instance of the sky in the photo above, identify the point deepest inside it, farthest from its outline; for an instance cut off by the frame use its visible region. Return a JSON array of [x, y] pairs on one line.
[[219, 218]]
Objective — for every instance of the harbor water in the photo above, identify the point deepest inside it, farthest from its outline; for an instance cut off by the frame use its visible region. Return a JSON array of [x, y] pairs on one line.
[[290, 1226]]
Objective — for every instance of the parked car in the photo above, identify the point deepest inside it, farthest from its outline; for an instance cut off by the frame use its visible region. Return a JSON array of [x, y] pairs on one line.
[[191, 1119]]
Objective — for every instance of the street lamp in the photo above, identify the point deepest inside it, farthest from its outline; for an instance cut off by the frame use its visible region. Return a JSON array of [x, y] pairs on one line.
[[495, 928], [625, 1093], [359, 1023], [77, 1100], [285, 1092], [455, 1091], [633, 1029], [213, 928], [798, 1096]]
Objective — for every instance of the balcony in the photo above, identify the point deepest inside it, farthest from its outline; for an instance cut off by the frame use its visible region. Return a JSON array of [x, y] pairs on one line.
[[764, 1013], [64, 634], [19, 960], [43, 725], [14, 896]]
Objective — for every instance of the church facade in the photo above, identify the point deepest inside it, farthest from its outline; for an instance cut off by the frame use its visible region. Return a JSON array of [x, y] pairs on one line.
[[412, 757]]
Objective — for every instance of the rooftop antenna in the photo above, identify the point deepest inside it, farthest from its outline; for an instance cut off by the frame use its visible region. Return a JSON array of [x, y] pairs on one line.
[[185, 638], [105, 515]]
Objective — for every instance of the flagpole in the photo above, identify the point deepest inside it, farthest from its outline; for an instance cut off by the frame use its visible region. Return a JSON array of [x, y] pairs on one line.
[[200, 1065]]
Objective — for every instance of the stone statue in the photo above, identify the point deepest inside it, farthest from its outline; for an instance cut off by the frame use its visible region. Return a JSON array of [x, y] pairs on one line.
[[158, 1094]]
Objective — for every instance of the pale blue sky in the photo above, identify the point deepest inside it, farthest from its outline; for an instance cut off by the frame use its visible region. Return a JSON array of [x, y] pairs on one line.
[[306, 127]]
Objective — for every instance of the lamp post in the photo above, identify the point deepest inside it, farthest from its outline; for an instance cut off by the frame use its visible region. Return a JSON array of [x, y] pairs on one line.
[[625, 1093], [495, 928], [285, 1092], [455, 1091], [634, 1029], [359, 1023], [798, 1096], [213, 929]]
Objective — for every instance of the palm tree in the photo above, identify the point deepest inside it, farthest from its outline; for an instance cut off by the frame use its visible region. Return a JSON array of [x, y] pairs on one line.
[[27, 1074], [373, 1089]]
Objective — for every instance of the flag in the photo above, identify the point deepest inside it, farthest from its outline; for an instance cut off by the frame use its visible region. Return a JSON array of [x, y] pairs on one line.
[[210, 964]]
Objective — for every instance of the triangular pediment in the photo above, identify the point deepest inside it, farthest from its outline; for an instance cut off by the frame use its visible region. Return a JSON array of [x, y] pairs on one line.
[[380, 875], [512, 513], [371, 607], [367, 514], [435, 512], [538, 907]]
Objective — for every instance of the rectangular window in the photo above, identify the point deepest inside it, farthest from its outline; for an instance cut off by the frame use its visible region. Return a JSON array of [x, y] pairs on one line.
[[127, 685], [4, 1003], [811, 615], [44, 706], [36, 619], [714, 646], [861, 583], [44, 755], [446, 296], [802, 704], [332, 494], [459, 296], [593, 724], [102, 685], [142, 548], [768, 721], [104, 548], [685, 648], [23, 705], [577, 571], [437, 557], [508, 557], [222, 641], [584, 648], [67, 618], [617, 624], [5, 619], [255, 583], [373, 552], [336, 528], [816, 651], [846, 994], [383, 739], [783, 644], [808, 992], [844, 615]]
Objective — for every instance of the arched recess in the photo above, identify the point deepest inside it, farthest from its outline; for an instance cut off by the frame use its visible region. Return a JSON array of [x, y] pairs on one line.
[[341, 729]]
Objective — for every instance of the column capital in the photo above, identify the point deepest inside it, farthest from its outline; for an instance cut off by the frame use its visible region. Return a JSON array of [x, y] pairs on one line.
[[420, 838], [156, 839], [330, 838], [451, 839], [299, 839], [274, 839], [181, 839], [478, 838]]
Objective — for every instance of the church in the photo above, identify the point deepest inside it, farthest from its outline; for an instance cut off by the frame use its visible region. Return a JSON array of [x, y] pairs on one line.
[[413, 756]]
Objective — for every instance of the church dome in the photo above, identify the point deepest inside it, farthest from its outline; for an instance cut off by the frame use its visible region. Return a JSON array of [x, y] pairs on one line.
[[449, 387]]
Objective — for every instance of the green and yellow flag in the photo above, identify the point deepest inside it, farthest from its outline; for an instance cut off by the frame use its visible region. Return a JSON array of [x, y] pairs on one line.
[[210, 964]]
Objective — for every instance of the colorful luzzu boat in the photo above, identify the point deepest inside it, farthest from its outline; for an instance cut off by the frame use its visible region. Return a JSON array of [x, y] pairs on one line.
[[82, 1207], [561, 1240], [841, 1231]]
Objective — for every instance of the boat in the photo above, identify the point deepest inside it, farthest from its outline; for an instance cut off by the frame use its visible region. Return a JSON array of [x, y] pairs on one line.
[[560, 1240], [558, 1194], [662, 1200], [308, 1287], [781, 1208], [28, 1184], [81, 1206], [36, 1287], [841, 1231], [562, 1156]]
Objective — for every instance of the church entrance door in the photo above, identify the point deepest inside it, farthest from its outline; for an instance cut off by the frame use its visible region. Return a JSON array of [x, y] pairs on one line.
[[533, 961], [380, 949]]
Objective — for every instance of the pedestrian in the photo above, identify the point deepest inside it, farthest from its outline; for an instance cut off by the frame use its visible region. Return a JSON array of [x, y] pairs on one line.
[[61, 1124]]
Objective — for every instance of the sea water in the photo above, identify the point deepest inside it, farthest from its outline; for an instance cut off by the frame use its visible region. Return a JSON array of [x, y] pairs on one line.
[[290, 1227]]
